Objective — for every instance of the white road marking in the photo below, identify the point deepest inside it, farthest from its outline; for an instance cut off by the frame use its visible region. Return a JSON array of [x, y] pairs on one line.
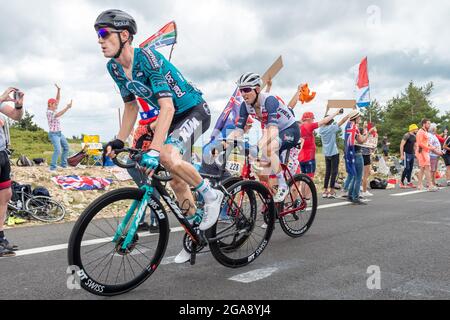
[[254, 275], [60, 247], [83, 244], [410, 193]]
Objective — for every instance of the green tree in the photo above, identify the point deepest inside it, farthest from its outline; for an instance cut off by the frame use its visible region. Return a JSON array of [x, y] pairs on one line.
[[26, 123], [410, 107], [374, 113]]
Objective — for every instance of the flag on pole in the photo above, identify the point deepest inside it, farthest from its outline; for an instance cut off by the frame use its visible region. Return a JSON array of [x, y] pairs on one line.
[[166, 36], [362, 84], [227, 120]]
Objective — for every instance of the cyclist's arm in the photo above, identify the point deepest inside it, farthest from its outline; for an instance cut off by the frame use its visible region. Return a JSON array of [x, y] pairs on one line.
[[272, 105], [162, 127], [128, 120]]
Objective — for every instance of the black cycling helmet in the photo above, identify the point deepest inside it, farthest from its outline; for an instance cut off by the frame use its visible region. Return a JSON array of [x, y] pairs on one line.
[[116, 19]]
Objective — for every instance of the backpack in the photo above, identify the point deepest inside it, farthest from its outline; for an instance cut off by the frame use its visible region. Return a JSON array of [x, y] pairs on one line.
[[41, 191], [17, 187], [38, 161], [23, 161], [76, 159], [378, 184]]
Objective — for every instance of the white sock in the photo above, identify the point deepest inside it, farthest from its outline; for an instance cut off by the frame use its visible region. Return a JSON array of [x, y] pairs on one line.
[[281, 181], [206, 191]]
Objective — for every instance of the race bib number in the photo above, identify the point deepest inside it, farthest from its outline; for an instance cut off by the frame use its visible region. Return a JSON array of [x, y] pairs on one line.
[[233, 166]]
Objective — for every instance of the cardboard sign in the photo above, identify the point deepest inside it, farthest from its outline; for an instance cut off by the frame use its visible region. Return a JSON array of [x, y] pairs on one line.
[[341, 104], [272, 71], [371, 143]]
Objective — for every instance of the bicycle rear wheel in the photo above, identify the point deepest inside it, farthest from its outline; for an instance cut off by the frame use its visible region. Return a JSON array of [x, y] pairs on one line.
[[104, 267], [298, 210], [245, 236], [45, 209]]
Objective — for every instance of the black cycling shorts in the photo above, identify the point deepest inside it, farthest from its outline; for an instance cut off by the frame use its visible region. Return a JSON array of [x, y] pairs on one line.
[[5, 171], [187, 127]]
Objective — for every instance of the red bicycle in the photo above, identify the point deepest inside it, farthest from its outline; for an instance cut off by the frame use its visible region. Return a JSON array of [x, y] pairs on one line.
[[297, 212]]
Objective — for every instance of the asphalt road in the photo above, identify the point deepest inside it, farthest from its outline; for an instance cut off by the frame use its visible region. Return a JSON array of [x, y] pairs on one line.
[[406, 238]]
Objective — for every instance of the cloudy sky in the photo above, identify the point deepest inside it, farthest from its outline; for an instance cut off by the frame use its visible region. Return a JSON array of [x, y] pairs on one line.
[[48, 41]]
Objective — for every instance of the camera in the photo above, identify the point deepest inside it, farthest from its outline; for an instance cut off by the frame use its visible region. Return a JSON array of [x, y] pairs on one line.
[[341, 111]]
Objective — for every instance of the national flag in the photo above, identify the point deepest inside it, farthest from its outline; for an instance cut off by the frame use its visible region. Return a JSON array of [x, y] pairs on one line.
[[362, 84], [351, 131], [227, 120], [81, 183], [165, 37]]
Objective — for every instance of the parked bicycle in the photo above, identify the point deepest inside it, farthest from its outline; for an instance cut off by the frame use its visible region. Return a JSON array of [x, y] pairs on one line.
[[26, 204], [113, 258]]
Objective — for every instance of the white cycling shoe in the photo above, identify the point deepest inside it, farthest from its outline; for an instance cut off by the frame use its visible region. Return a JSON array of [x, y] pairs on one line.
[[211, 212], [281, 194], [183, 257]]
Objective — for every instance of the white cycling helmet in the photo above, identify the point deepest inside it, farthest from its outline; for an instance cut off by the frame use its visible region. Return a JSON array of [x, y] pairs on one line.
[[249, 79]]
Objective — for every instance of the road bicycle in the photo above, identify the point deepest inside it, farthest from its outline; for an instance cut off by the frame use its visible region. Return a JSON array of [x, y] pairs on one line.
[[110, 257]]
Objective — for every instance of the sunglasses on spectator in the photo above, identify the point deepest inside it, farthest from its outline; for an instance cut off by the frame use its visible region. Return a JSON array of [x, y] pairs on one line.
[[105, 33], [246, 90]]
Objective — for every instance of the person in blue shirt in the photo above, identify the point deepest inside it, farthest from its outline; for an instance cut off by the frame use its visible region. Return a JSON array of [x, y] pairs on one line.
[[183, 115], [328, 132]]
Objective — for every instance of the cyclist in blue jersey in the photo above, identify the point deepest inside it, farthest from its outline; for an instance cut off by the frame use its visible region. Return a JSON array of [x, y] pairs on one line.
[[183, 115], [280, 130]]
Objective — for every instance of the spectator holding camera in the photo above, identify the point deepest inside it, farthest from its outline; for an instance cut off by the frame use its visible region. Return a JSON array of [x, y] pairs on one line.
[[15, 96], [55, 135]]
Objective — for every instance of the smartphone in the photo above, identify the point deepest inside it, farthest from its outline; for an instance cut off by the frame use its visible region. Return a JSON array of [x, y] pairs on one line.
[[341, 111], [16, 95]]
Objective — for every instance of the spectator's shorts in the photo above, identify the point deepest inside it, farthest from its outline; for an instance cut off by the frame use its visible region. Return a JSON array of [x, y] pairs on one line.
[[446, 159], [434, 163], [5, 171], [308, 168], [367, 160]]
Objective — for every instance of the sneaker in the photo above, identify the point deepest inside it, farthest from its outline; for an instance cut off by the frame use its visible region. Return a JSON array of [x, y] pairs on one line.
[[183, 257], [264, 226], [359, 202], [11, 221], [5, 244], [4, 252], [367, 194], [154, 228], [448, 183], [432, 189], [411, 185], [18, 220], [332, 195], [211, 213], [325, 195], [143, 227], [344, 195], [281, 194], [404, 186]]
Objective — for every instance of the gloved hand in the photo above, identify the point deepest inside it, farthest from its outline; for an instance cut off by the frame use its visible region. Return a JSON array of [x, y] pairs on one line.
[[150, 161], [111, 146]]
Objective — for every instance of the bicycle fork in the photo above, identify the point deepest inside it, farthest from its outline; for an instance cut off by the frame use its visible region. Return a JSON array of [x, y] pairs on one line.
[[137, 218]]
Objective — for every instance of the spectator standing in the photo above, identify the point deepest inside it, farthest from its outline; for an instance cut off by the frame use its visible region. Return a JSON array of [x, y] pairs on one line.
[[353, 156], [55, 134], [367, 154], [328, 133], [435, 154], [423, 155], [446, 156], [385, 148], [15, 113], [407, 155]]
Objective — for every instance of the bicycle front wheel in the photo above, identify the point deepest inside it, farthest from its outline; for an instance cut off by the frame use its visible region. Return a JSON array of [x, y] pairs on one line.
[[298, 210], [45, 209], [96, 247], [242, 237]]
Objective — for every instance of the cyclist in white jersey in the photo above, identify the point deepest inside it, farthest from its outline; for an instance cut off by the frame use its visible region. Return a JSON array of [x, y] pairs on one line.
[[280, 130]]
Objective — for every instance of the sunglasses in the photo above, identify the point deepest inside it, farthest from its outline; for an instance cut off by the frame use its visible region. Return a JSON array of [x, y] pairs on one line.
[[105, 33], [246, 90]]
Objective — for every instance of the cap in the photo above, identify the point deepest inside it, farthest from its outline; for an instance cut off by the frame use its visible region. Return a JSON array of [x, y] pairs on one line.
[[413, 127], [307, 115], [52, 101], [354, 114]]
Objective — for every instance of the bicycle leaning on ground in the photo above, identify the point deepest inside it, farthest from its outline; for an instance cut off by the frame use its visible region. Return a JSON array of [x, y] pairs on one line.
[[112, 258], [24, 204]]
